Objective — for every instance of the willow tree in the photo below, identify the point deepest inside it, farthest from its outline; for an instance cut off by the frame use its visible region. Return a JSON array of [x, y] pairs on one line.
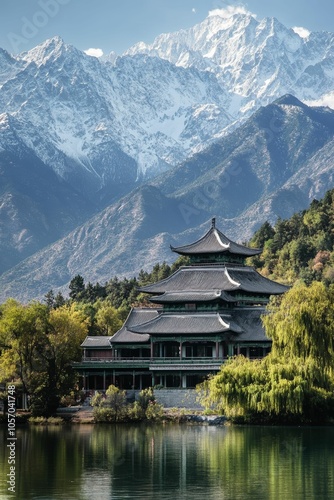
[[296, 380]]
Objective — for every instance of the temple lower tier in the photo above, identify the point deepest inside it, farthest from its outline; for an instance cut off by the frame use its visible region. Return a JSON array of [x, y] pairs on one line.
[[174, 365]]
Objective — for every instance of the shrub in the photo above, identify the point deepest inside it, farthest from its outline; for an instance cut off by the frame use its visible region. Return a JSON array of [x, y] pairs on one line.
[[154, 411], [146, 397], [37, 420], [136, 412], [97, 399], [46, 421], [105, 414]]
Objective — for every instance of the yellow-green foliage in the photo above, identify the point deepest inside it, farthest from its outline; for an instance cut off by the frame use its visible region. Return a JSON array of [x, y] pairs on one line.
[[154, 411], [38, 346]]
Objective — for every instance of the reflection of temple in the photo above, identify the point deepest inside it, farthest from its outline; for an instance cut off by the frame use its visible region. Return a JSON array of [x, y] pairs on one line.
[[206, 311]]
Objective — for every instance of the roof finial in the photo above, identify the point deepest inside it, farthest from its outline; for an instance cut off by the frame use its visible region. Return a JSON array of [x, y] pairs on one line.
[[213, 222]]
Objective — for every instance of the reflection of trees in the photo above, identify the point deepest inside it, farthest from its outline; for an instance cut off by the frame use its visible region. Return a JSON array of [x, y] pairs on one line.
[[157, 461], [47, 458], [270, 463]]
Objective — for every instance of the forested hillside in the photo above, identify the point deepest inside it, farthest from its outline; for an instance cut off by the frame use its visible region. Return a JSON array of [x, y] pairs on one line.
[[299, 248]]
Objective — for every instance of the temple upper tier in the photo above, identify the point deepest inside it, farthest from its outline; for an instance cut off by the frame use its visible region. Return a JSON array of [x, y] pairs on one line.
[[215, 246]]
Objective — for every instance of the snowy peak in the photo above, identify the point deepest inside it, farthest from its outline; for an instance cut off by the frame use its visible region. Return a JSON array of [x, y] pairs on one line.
[[50, 50], [9, 66], [214, 32], [255, 60]]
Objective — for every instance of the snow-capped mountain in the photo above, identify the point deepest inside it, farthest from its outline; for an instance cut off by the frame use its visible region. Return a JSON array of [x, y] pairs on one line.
[[99, 127], [108, 123], [77, 132], [256, 61]]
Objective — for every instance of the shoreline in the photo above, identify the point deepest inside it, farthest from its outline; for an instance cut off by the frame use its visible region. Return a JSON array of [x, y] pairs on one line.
[[84, 416]]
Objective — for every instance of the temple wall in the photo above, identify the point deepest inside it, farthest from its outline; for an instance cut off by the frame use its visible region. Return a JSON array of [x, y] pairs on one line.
[[178, 398]]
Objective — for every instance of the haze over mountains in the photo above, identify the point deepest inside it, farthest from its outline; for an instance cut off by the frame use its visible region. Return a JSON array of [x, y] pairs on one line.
[[185, 122]]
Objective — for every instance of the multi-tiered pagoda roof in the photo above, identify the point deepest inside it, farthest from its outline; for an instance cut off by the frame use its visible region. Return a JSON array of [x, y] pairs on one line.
[[207, 296]]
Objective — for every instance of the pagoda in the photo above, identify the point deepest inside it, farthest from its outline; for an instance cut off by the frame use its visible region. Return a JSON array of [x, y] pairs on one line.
[[204, 313]]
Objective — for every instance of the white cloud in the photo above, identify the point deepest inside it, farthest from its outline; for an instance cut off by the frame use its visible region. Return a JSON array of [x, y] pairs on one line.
[[94, 52], [325, 100], [193, 10], [302, 32], [230, 10]]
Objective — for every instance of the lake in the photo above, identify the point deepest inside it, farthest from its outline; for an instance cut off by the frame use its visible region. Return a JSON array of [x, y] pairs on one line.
[[127, 461]]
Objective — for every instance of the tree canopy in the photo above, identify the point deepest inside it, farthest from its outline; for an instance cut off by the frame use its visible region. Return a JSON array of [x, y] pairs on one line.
[[38, 346], [299, 248]]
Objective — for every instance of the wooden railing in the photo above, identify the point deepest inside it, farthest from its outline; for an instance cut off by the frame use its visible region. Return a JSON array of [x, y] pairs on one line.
[[155, 360]]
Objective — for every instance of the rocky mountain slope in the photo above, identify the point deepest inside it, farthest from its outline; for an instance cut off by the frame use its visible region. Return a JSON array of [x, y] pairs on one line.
[[273, 165], [101, 128]]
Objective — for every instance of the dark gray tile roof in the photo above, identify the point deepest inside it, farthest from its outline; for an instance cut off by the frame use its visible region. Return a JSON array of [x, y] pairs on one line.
[[124, 336], [188, 323], [215, 241], [135, 317], [192, 296], [252, 281], [244, 324], [215, 279], [249, 319], [96, 342]]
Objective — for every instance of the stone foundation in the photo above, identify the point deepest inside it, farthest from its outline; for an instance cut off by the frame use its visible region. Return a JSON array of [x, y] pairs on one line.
[[177, 398]]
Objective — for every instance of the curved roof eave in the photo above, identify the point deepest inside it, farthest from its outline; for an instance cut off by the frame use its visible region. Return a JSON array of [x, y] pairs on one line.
[[214, 241]]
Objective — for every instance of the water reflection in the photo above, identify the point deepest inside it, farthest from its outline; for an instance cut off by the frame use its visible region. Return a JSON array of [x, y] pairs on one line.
[[171, 461]]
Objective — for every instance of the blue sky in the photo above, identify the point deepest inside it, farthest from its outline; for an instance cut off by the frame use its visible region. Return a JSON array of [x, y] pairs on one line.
[[115, 25]]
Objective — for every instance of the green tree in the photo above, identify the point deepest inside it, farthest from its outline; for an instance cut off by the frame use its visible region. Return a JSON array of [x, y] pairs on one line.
[[59, 300], [23, 330], [38, 346], [113, 408], [108, 319], [264, 233], [302, 326], [77, 287], [68, 329], [50, 299]]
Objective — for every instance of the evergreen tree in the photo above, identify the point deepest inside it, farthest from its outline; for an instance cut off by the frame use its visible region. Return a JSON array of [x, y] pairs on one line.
[[77, 287]]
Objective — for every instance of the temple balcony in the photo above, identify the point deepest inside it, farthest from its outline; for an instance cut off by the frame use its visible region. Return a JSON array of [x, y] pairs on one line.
[[188, 363], [150, 363]]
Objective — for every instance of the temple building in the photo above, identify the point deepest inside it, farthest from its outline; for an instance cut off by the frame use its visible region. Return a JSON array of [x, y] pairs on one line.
[[202, 314]]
